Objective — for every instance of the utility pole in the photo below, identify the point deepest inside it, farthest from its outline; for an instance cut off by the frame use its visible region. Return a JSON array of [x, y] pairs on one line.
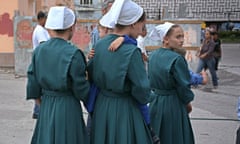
[[34, 7]]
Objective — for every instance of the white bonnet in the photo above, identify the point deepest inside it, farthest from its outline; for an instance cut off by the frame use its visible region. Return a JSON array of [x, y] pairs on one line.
[[159, 32], [124, 12], [60, 18]]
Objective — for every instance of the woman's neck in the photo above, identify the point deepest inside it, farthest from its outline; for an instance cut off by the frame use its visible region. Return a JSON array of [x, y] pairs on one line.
[[207, 39], [64, 36], [122, 31], [166, 46]]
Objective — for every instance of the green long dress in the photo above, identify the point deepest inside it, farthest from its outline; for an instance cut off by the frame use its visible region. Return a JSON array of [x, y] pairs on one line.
[[123, 83], [170, 80], [57, 74]]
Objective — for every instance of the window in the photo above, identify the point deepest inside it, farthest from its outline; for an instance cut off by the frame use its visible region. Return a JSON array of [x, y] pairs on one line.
[[85, 2], [84, 5]]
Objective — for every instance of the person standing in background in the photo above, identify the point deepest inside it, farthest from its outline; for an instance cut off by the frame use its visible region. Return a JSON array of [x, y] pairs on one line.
[[106, 5], [206, 58], [40, 35], [95, 32], [141, 44], [217, 53]]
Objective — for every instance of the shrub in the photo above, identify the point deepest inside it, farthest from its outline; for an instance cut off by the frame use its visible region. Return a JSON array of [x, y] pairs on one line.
[[229, 36]]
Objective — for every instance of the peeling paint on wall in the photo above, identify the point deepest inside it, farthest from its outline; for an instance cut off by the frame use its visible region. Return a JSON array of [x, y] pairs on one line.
[[24, 34], [25, 29], [81, 36], [6, 25]]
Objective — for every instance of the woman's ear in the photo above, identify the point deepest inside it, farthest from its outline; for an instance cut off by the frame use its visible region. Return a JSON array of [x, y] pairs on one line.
[[106, 30], [73, 27], [70, 29], [165, 39], [132, 25]]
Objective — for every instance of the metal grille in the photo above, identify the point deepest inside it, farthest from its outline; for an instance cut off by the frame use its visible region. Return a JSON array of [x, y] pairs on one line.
[[86, 2], [154, 14]]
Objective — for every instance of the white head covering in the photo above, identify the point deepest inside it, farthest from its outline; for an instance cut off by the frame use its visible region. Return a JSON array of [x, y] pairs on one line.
[[124, 12], [159, 32], [60, 18]]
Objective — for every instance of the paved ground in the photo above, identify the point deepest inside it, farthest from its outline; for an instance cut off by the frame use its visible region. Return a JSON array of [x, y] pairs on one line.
[[210, 126], [17, 126]]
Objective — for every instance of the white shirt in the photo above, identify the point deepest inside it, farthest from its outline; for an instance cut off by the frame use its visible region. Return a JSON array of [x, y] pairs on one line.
[[40, 34], [141, 45]]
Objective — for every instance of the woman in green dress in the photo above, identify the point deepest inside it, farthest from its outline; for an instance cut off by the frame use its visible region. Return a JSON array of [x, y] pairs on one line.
[[57, 75], [122, 80], [170, 80]]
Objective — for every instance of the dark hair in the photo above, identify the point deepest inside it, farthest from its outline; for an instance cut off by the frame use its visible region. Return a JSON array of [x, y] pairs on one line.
[[142, 18], [41, 14], [171, 29], [214, 33], [61, 31]]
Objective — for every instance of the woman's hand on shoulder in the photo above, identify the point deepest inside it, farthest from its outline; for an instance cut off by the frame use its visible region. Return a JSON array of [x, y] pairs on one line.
[[91, 53], [116, 44], [189, 107]]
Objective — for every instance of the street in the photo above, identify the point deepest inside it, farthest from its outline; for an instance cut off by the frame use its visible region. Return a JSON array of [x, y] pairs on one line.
[[214, 117]]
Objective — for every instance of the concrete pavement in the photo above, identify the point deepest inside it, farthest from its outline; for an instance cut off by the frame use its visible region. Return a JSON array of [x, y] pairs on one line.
[[210, 128], [17, 126]]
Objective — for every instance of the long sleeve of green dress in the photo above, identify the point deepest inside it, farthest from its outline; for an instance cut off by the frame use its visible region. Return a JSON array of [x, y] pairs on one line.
[[138, 76], [77, 72], [182, 77], [33, 89]]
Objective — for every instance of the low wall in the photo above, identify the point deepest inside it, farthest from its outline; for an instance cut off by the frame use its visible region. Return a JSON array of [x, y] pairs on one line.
[[24, 26], [7, 60]]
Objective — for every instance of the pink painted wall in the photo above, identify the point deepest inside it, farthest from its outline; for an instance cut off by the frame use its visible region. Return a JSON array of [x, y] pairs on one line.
[[23, 33], [25, 8], [25, 27], [6, 25]]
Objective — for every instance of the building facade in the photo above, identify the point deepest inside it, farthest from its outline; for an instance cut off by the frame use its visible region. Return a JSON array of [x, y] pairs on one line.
[[206, 10], [213, 12], [7, 12], [31, 7], [218, 14]]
